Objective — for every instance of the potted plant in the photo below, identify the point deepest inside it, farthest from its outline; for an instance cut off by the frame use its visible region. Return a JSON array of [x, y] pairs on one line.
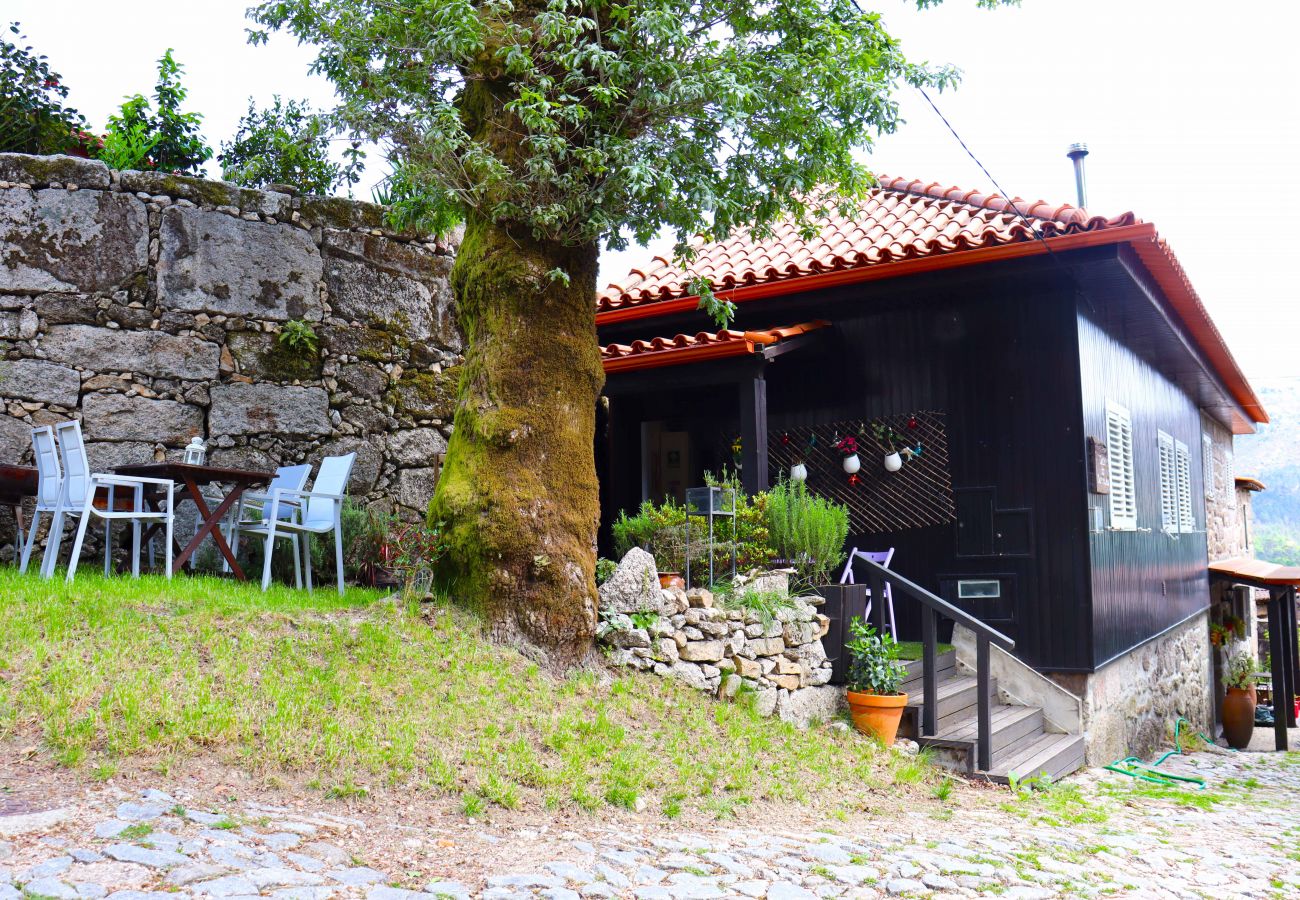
[[848, 446], [1239, 701], [875, 674], [888, 441]]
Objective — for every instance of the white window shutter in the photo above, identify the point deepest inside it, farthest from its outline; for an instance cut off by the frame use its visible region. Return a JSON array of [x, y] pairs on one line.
[[1168, 483], [1186, 513], [1229, 478], [1119, 453]]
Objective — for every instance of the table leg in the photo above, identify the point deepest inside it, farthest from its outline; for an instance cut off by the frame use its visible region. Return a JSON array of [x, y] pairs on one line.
[[210, 522]]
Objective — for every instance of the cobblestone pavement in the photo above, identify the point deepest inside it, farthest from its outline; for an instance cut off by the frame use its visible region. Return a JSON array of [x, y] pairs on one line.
[[1096, 835]]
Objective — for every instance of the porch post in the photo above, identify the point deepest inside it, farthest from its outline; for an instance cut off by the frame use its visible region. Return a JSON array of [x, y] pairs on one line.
[[753, 433], [1281, 678]]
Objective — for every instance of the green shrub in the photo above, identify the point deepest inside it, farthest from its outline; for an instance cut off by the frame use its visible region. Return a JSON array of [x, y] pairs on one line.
[[807, 530], [288, 143], [604, 569], [157, 136], [33, 117]]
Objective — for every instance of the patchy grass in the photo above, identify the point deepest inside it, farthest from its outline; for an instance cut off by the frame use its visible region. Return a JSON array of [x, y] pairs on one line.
[[350, 694], [909, 650]]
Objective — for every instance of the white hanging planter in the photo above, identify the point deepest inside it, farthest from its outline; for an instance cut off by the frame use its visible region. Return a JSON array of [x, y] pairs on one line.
[[893, 462], [798, 472], [852, 463]]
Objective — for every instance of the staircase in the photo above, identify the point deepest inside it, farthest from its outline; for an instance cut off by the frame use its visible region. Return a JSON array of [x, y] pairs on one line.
[[1025, 743]]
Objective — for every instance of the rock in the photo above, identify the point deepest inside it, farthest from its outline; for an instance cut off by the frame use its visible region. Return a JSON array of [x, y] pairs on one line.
[[729, 687], [88, 241], [700, 597], [117, 417], [702, 651], [394, 285], [261, 356], [746, 668], [148, 352], [765, 700], [50, 887], [104, 456], [280, 876], [211, 262], [447, 889], [51, 867], [415, 487], [364, 380], [690, 675], [356, 876], [776, 582], [764, 647], [43, 170], [155, 859], [18, 324], [785, 890], [797, 633], [634, 586], [786, 666], [229, 886], [811, 704], [140, 812], [788, 682], [111, 829], [188, 874], [280, 410], [417, 447], [905, 886], [15, 439]]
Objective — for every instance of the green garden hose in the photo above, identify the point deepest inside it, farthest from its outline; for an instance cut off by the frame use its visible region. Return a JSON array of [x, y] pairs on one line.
[[1135, 768]]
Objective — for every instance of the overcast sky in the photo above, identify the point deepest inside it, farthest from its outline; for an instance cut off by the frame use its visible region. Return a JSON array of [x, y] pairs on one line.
[[1190, 110]]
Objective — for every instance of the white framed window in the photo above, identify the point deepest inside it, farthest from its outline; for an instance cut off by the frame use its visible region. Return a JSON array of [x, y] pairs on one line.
[[1168, 482], [1207, 465], [1119, 453], [1186, 512]]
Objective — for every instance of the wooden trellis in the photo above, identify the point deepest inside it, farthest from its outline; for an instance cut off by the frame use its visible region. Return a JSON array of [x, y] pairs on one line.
[[917, 495]]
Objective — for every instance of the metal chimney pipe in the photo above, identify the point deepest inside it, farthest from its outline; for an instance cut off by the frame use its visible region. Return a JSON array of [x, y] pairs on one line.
[[1076, 153]]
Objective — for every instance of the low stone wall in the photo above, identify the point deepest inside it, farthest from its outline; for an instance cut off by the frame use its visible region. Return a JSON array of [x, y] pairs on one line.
[[150, 306], [683, 635], [1130, 705]]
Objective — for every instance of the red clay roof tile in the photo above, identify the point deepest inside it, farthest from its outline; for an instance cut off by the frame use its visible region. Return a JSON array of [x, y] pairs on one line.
[[683, 348]]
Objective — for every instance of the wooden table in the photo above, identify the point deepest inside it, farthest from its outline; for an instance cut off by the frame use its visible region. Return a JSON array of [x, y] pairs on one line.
[[191, 478], [17, 483]]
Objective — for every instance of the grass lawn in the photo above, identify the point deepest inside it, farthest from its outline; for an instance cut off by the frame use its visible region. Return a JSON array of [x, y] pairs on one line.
[[910, 650], [360, 693]]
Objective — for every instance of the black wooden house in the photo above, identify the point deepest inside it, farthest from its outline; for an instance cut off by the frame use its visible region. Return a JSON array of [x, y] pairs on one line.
[[1053, 374]]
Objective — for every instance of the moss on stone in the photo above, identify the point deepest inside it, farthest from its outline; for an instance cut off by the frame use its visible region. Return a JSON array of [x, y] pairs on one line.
[[340, 212], [426, 395], [43, 170], [186, 187]]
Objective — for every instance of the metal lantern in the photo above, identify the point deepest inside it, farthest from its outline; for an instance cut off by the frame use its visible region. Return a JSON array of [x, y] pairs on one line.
[[196, 453]]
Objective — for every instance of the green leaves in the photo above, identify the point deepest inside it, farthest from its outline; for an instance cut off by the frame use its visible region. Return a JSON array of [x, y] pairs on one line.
[[288, 143], [614, 120], [873, 661], [160, 136], [33, 117]]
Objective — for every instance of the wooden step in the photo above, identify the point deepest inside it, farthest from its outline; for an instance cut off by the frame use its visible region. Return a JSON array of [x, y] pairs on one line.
[[945, 667], [1012, 726], [1050, 754], [958, 697]]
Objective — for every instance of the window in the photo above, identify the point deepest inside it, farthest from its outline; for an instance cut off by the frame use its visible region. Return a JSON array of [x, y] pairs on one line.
[[1168, 483], [1186, 513], [1207, 465], [1119, 453], [970, 589], [1229, 478]]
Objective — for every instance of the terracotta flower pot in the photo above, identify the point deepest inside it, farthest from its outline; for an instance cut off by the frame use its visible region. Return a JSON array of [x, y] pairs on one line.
[[1239, 716], [670, 580], [877, 714]]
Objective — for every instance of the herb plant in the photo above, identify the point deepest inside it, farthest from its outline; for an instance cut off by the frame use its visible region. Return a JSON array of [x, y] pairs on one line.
[[159, 135], [807, 530], [1239, 672], [298, 335], [288, 143]]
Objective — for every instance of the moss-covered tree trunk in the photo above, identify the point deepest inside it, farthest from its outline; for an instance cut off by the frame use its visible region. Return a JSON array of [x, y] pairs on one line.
[[518, 491]]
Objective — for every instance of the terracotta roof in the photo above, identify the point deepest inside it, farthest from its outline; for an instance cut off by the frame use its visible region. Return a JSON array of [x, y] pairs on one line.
[[1250, 484], [900, 220], [1256, 571], [908, 227], [703, 345]]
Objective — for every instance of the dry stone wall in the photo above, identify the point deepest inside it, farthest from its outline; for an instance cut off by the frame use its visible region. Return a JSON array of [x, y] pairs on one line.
[[150, 306]]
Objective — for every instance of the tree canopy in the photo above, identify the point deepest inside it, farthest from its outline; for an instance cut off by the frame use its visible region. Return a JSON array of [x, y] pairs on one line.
[[604, 120]]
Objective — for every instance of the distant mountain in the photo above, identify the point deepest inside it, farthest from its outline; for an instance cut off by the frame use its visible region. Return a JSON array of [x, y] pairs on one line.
[[1273, 456]]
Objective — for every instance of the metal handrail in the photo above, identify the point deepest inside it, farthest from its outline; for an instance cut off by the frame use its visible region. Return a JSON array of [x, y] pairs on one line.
[[931, 607], [938, 604]]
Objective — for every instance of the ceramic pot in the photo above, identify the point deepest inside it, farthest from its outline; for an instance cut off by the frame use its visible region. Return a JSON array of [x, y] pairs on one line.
[[670, 580], [852, 463], [893, 462], [798, 472], [877, 714], [1239, 716]]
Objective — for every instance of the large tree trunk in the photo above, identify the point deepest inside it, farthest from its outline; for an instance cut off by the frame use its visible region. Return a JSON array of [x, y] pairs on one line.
[[518, 491]]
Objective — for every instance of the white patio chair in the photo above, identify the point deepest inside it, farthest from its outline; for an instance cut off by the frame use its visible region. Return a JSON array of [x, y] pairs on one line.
[[254, 507], [49, 480], [322, 513], [883, 557], [77, 498]]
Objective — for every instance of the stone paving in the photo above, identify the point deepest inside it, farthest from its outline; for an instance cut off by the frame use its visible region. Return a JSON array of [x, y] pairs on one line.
[[1096, 835]]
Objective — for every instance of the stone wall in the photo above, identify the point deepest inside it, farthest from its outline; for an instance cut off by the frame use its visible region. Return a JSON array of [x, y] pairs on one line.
[[150, 307], [1224, 534], [682, 634], [1130, 705]]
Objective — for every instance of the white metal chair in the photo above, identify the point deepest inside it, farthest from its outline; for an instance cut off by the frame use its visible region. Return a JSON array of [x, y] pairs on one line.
[[49, 480], [322, 512], [254, 508], [77, 498], [883, 557]]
